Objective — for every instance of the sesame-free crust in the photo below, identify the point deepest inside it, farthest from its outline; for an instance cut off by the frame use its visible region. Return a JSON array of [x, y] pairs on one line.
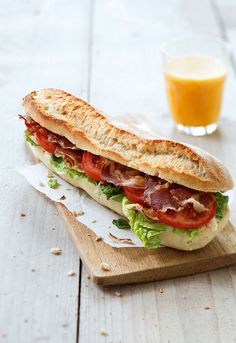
[[73, 118]]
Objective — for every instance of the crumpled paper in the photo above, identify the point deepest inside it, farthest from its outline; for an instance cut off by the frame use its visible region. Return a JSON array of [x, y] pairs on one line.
[[95, 216]]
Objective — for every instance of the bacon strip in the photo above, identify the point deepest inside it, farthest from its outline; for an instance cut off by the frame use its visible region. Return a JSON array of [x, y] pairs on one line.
[[120, 175], [65, 148], [148, 212], [72, 157], [164, 196], [31, 125], [62, 141], [158, 194]]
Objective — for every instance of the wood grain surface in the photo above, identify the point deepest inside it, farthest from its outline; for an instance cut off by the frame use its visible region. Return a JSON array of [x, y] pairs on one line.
[[136, 265], [107, 52]]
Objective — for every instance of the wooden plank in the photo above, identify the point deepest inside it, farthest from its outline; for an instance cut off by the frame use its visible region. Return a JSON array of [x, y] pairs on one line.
[[149, 265], [38, 50], [127, 78]]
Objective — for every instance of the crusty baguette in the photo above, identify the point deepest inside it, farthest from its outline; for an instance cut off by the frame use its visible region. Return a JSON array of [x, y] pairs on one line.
[[89, 130], [168, 238]]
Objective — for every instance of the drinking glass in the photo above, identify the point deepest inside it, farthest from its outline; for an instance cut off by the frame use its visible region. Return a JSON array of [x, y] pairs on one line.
[[195, 70]]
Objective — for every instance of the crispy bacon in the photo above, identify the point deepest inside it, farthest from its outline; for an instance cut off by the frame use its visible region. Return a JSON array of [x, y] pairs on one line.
[[62, 141], [159, 194], [31, 125], [148, 212], [120, 175], [65, 148], [72, 157], [181, 193], [163, 196], [161, 200]]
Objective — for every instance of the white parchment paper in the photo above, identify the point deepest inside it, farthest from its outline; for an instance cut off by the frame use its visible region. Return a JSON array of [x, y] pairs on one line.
[[96, 217]]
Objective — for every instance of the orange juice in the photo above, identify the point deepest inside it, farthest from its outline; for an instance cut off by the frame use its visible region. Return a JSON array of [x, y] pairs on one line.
[[195, 88]]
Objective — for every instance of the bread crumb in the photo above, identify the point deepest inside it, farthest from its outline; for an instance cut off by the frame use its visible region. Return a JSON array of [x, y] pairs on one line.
[[118, 294], [71, 273], [99, 238], [50, 174], [41, 184], [33, 270], [105, 266], [89, 234], [183, 296], [62, 197], [77, 213], [161, 290], [94, 221], [22, 214], [104, 332], [207, 308], [56, 251]]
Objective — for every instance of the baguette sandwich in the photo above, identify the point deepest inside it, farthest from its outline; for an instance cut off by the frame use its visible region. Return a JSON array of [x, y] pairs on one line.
[[166, 192]]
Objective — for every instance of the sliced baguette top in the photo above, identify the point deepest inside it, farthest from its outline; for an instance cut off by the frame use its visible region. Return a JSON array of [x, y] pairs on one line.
[[73, 118]]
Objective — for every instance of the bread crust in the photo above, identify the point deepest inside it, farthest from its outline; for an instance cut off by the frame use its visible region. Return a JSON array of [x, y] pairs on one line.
[[168, 238], [73, 118]]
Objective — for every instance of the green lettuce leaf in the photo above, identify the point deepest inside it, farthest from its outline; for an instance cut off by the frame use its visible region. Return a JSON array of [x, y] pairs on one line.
[[222, 203], [72, 173], [117, 197], [121, 223], [112, 192], [148, 232], [29, 139], [57, 162], [60, 166], [53, 183], [190, 232], [95, 182]]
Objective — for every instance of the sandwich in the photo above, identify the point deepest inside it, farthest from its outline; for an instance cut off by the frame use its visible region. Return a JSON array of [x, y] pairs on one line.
[[166, 192]]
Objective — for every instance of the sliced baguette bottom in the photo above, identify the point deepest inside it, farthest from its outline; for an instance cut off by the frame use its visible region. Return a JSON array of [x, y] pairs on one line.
[[169, 238]]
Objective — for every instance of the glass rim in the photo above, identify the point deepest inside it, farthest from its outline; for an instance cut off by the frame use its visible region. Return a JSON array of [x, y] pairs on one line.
[[220, 41]]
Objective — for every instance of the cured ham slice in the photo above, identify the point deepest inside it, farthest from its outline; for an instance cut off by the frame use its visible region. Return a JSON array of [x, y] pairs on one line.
[[163, 196], [62, 141], [72, 157], [122, 176]]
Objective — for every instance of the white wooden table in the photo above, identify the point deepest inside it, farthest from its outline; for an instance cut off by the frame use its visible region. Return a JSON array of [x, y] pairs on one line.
[[105, 51]]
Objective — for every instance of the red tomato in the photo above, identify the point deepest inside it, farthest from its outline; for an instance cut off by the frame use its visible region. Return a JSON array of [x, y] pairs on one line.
[[92, 165], [42, 140], [134, 195], [189, 218]]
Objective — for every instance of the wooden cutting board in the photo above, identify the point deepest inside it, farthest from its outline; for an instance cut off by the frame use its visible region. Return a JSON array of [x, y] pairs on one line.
[[133, 265]]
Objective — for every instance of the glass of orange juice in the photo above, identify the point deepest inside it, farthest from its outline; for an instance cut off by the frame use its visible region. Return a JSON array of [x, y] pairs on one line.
[[195, 71]]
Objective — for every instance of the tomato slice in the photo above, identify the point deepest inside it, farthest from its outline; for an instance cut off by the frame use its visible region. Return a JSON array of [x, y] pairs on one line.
[[134, 195], [42, 140], [92, 165], [188, 218]]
